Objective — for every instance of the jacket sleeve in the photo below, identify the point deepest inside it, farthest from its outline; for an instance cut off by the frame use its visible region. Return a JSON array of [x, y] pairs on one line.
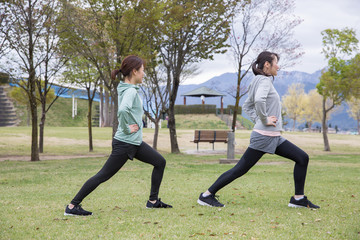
[[125, 115], [260, 99]]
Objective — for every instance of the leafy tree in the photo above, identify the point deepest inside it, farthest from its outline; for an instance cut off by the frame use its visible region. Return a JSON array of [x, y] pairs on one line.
[[354, 110], [104, 32], [294, 102], [312, 111], [260, 25], [353, 76], [190, 31], [335, 84], [83, 35]]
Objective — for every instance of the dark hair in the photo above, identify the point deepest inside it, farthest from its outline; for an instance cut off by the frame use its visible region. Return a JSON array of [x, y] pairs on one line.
[[263, 57], [128, 64]]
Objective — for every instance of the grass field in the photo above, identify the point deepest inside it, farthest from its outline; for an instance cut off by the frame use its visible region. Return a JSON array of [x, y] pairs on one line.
[[33, 195]]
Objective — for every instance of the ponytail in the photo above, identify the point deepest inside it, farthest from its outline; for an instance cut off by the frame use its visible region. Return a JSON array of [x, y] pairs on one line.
[[114, 73]]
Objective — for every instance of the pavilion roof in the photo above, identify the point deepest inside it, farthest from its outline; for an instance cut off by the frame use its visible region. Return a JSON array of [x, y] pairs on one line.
[[203, 91]]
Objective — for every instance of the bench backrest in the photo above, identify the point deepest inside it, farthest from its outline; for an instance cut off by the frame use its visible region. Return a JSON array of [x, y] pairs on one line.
[[210, 135]]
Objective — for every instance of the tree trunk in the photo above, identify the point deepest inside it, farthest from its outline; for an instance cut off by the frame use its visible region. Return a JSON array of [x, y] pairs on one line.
[[90, 125], [106, 110], [42, 126], [34, 126], [237, 101], [28, 115], [32, 90], [101, 112], [172, 130], [358, 125], [156, 134], [171, 112], [324, 127], [294, 124], [114, 111]]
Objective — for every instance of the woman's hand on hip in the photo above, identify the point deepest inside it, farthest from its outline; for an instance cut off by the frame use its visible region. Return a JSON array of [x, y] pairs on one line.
[[134, 128], [271, 121]]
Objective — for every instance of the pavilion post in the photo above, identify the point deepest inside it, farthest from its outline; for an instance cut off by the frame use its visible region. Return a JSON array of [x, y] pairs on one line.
[[222, 106]]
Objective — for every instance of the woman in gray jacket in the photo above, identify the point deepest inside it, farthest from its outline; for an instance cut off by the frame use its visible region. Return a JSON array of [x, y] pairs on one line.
[[263, 106]]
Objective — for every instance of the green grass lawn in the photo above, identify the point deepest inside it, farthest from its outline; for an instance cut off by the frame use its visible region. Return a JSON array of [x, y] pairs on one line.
[[33, 196], [60, 114]]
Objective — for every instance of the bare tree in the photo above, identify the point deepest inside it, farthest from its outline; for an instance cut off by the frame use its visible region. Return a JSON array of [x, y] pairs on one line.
[[4, 24], [24, 27], [155, 95], [82, 73], [257, 26], [52, 63]]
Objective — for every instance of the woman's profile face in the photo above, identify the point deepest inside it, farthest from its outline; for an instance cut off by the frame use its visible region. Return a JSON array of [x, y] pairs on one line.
[[274, 67], [139, 75]]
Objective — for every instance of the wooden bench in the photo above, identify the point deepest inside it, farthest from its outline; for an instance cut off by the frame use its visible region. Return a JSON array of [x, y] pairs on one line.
[[210, 136]]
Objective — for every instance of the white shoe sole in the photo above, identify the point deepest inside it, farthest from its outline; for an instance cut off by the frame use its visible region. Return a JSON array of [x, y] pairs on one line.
[[295, 206], [204, 203]]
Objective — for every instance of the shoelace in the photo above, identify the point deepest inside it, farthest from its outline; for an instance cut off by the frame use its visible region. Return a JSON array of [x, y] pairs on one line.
[[78, 207], [216, 197], [161, 203]]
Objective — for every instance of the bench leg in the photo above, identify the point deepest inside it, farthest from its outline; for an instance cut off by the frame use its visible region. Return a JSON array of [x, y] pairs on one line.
[[197, 146], [213, 145]]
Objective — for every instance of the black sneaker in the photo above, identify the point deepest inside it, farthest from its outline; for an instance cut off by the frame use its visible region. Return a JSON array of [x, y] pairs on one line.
[[157, 204], [210, 201], [304, 202], [76, 211]]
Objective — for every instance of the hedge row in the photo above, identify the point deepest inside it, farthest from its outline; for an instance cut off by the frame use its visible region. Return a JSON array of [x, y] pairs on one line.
[[203, 109]]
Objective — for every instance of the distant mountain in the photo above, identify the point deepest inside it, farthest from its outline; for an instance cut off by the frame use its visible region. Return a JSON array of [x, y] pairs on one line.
[[226, 84]]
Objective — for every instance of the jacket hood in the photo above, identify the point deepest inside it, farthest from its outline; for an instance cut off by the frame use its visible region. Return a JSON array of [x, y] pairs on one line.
[[124, 86]]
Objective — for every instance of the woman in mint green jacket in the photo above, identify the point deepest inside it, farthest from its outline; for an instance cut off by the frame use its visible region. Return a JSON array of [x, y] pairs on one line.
[[127, 142]]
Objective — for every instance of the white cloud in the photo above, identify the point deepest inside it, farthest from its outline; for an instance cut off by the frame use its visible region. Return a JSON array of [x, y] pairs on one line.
[[317, 15]]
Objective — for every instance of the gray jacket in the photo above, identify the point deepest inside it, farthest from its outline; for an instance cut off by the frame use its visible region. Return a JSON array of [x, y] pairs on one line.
[[263, 101]]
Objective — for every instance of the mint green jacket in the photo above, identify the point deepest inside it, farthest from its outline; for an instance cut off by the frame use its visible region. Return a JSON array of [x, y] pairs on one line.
[[130, 112]]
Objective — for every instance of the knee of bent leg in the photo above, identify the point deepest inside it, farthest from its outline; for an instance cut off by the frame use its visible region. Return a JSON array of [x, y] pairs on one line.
[[304, 160], [161, 163]]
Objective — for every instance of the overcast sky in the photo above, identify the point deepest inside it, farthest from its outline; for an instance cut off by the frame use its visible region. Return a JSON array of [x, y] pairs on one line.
[[317, 16]]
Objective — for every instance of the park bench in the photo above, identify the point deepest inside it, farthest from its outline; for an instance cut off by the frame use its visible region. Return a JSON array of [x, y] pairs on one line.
[[210, 136]]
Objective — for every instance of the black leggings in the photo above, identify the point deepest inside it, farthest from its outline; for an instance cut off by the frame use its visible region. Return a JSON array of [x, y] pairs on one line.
[[250, 158], [121, 152]]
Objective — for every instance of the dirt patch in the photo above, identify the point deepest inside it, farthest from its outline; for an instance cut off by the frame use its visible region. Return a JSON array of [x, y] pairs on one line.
[[211, 152], [50, 157]]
